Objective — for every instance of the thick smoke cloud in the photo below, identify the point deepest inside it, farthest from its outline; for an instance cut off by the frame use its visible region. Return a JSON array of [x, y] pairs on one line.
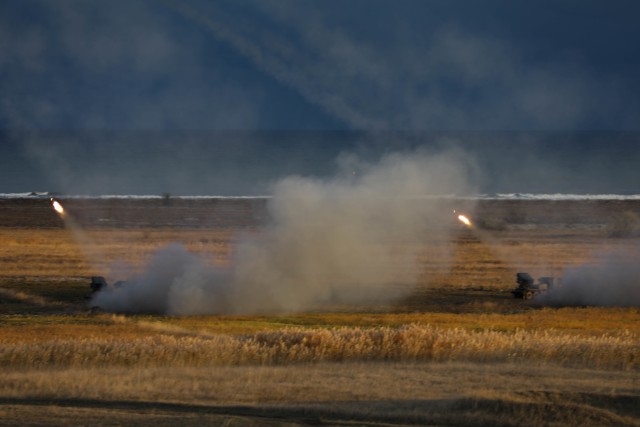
[[352, 238], [174, 281], [611, 279]]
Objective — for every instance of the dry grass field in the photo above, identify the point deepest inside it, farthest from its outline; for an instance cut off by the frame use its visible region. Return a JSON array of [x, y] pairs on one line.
[[457, 349]]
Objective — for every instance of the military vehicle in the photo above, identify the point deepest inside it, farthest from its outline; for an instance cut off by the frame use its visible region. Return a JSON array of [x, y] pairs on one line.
[[528, 289], [97, 284]]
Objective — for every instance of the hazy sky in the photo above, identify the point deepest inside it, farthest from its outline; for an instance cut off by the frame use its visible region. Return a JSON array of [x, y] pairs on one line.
[[255, 65], [300, 64]]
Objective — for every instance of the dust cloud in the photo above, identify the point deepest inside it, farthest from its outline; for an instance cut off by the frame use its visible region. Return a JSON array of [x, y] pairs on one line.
[[612, 278], [351, 238]]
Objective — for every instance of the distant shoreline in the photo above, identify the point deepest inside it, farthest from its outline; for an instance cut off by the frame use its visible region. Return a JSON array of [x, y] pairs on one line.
[[496, 196]]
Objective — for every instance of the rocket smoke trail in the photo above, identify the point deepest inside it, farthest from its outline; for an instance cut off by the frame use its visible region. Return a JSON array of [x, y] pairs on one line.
[[89, 249]]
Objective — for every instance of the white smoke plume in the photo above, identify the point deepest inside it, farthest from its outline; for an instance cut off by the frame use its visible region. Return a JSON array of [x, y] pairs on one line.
[[352, 238], [611, 279]]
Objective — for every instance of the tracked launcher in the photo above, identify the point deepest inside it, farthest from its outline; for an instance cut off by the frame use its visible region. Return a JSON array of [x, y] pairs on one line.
[[528, 289]]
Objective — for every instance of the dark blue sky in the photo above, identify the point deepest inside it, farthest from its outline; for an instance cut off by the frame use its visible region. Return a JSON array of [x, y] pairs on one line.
[[141, 92], [296, 64]]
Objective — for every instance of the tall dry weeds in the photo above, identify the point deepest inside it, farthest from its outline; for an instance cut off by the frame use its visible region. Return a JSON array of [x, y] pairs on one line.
[[295, 345]]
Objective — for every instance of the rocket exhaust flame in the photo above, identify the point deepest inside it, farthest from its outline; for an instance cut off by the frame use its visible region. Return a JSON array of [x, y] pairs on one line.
[[466, 221], [57, 206]]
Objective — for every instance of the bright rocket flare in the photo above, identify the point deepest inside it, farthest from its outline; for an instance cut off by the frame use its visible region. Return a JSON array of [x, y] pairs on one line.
[[466, 221], [57, 206]]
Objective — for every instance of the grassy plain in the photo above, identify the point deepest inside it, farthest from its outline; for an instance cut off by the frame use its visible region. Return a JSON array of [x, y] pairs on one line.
[[457, 350]]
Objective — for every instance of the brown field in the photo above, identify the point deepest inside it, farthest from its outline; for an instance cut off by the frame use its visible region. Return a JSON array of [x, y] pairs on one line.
[[456, 350]]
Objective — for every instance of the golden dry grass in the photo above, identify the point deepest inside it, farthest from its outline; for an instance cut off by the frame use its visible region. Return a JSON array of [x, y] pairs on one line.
[[461, 324], [477, 258], [485, 326], [458, 351], [60, 253], [172, 345], [593, 321], [323, 394]]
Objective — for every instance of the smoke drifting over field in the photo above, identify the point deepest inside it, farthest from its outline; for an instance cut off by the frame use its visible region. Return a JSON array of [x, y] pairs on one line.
[[611, 279], [344, 239]]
